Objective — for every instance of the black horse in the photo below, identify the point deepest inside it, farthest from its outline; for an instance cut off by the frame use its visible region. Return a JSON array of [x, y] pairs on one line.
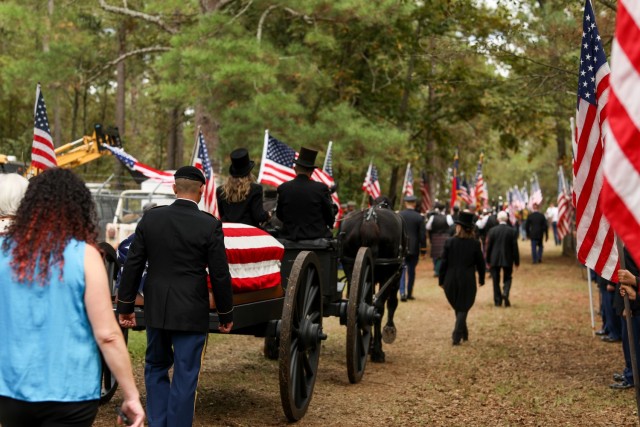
[[383, 231]]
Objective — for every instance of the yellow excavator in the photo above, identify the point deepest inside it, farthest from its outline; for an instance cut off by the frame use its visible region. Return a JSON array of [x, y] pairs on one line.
[[71, 155]]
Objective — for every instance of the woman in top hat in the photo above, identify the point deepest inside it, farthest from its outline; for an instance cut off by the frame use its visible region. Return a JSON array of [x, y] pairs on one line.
[[240, 198], [461, 258]]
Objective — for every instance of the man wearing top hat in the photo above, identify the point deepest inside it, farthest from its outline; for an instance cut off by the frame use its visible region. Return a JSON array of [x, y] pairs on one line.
[[304, 205], [179, 242], [240, 197]]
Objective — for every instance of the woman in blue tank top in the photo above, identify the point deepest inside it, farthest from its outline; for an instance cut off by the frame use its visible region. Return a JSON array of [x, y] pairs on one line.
[[55, 311]]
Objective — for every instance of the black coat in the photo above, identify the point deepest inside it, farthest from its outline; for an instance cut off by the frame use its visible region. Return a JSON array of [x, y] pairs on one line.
[[536, 226], [250, 211], [305, 209], [179, 242], [461, 259], [416, 232], [502, 246]]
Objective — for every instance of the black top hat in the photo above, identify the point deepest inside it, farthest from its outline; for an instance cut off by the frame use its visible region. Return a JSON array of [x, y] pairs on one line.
[[240, 163], [306, 158], [465, 219], [190, 172]]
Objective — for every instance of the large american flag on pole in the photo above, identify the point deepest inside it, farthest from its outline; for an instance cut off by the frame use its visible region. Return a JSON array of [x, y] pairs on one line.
[[201, 160], [425, 202], [479, 192], [595, 238], [564, 206], [464, 193], [135, 166], [536, 192], [620, 191], [371, 185], [43, 155], [407, 185], [327, 168]]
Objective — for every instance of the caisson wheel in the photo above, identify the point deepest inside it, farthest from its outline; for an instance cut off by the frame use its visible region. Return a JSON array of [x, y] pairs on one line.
[[360, 315], [300, 336]]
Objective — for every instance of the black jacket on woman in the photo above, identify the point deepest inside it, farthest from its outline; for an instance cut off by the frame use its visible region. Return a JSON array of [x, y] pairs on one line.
[[460, 260], [249, 211]]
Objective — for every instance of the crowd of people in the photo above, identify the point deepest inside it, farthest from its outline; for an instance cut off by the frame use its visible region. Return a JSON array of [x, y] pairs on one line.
[[50, 257]]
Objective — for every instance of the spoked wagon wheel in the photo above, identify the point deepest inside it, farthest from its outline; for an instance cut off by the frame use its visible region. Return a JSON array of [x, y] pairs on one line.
[[111, 263], [108, 383], [300, 336], [360, 314]]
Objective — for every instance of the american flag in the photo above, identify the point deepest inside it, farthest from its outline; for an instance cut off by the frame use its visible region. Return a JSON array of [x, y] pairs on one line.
[[134, 165], [201, 160], [254, 257], [425, 203], [276, 166], [371, 185], [454, 181], [479, 192], [407, 185], [463, 191], [43, 155], [327, 168], [595, 238], [564, 206], [277, 162], [536, 192], [620, 196]]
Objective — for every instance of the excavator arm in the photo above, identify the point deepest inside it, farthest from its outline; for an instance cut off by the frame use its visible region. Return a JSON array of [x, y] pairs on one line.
[[84, 150]]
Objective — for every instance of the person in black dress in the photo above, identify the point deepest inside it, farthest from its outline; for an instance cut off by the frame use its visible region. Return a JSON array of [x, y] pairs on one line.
[[240, 198], [461, 258]]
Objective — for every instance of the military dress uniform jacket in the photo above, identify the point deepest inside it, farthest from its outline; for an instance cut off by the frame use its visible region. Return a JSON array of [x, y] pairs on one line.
[[179, 241], [250, 211], [416, 231], [502, 246], [304, 207]]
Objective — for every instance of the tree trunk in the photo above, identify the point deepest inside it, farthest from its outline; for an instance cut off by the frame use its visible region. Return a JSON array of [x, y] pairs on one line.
[[175, 143], [211, 131], [118, 167]]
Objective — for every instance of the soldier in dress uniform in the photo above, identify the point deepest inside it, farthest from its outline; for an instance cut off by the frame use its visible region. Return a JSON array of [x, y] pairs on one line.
[[179, 242], [304, 205]]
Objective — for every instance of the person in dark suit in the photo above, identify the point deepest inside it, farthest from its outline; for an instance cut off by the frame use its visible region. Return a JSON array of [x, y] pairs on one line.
[[438, 228], [304, 206], [240, 198], [502, 254], [536, 227], [179, 242], [461, 258], [416, 232]]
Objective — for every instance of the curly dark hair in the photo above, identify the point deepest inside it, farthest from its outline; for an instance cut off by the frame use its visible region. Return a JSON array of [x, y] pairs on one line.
[[56, 208]]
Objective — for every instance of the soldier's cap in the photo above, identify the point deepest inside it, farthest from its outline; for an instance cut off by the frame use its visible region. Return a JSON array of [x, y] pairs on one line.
[[410, 198], [190, 172]]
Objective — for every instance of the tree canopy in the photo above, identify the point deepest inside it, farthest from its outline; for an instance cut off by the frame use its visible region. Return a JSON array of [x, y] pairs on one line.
[[394, 81]]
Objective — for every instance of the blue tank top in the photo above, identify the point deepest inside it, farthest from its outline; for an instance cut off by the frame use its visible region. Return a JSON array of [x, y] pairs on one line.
[[47, 348]]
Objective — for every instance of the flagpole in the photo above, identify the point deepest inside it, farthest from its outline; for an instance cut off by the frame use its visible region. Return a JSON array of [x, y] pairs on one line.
[[264, 154], [593, 322], [630, 334], [195, 146], [326, 157]]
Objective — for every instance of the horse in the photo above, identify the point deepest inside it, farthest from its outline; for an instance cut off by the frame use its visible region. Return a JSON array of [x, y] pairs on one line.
[[383, 231]]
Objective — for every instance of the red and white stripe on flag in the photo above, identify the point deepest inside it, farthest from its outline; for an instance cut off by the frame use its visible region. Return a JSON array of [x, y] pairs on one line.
[[43, 154], [564, 206], [254, 257], [595, 239], [620, 192]]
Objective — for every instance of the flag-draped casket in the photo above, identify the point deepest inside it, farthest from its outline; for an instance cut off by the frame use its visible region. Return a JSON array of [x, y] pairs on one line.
[[254, 257]]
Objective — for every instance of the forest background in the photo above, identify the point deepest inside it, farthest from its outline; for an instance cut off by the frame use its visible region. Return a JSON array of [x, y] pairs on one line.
[[390, 80]]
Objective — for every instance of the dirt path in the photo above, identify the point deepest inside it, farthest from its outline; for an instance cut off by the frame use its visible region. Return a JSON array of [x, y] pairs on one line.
[[535, 363]]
